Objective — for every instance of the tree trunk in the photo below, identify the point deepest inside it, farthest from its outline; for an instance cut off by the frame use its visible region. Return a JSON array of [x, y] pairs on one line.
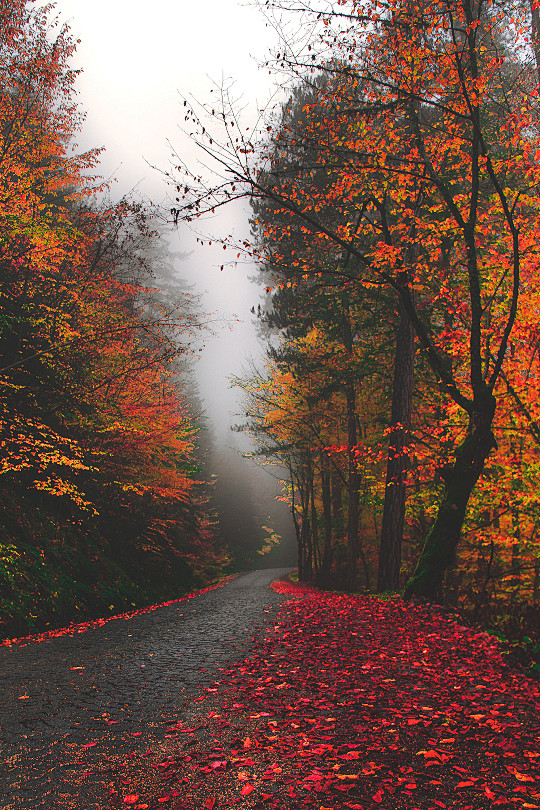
[[452, 584], [326, 564], [443, 538], [300, 553], [353, 484], [307, 543], [300, 536], [398, 459], [515, 582], [297, 528], [314, 525], [337, 504], [306, 547]]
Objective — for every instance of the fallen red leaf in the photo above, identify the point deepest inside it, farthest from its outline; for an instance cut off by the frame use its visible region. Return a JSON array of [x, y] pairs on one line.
[[356, 687]]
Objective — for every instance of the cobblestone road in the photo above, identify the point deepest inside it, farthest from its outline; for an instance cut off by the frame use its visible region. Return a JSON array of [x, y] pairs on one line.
[[73, 709]]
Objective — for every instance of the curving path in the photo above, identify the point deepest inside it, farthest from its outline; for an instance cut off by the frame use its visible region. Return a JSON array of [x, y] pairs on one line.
[[75, 709]]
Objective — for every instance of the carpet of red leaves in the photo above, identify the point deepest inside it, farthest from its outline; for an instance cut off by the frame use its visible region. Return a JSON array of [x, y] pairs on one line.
[[357, 702]]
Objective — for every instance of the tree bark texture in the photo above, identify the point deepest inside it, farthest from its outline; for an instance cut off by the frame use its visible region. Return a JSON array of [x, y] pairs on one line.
[[337, 504], [314, 526], [297, 527], [398, 459], [353, 485], [443, 538], [326, 563]]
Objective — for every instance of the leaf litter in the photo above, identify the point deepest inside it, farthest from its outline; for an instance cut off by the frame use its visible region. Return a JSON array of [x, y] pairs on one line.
[[356, 702]]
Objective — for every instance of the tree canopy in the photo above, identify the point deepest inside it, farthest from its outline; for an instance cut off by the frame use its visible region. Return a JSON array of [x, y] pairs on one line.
[[403, 170]]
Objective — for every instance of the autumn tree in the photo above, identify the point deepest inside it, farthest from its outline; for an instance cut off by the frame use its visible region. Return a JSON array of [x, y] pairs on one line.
[[288, 260], [100, 488], [438, 170]]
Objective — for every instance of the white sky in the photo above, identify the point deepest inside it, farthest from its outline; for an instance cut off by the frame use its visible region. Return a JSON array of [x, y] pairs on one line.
[[136, 59]]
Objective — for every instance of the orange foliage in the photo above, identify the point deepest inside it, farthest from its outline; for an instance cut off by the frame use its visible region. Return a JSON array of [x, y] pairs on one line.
[[92, 415]]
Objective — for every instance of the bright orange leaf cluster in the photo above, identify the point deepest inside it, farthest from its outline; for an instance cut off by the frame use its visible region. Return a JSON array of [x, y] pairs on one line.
[[94, 427], [405, 167]]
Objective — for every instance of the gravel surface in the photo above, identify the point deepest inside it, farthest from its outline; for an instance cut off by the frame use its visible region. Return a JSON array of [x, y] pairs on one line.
[[75, 709]]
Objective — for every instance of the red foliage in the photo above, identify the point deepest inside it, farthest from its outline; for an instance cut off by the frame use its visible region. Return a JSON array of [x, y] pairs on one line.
[[291, 588], [355, 702]]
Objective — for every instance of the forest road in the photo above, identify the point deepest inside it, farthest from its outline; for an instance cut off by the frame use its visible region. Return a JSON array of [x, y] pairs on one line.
[[75, 708]]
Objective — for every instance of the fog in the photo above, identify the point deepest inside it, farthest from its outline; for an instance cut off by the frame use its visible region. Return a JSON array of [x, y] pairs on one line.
[[136, 65]]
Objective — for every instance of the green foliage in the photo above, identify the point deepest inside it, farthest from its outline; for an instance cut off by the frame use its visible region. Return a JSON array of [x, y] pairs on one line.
[[54, 570]]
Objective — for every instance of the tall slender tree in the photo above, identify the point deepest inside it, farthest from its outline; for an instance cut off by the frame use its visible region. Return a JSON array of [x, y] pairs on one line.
[[439, 153]]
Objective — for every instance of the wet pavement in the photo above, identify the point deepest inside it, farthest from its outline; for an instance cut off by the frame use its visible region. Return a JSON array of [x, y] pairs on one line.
[[74, 709]]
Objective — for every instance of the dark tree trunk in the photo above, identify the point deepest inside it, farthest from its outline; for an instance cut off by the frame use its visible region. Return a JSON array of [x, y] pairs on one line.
[[306, 548], [307, 537], [452, 584], [397, 465], [353, 485], [326, 564], [516, 568], [314, 525], [300, 554], [443, 538], [297, 527], [301, 538], [337, 503]]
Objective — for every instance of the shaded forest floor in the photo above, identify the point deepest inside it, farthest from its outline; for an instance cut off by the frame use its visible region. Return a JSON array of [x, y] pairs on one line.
[[355, 702]]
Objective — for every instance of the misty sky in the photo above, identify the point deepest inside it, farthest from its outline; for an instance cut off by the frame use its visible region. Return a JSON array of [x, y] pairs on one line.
[[136, 60]]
